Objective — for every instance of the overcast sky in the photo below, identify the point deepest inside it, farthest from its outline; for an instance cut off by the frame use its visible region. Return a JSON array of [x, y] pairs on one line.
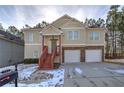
[[31, 15]]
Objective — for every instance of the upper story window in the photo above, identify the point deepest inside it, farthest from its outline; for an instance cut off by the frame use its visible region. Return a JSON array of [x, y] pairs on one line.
[[30, 37], [94, 35], [73, 35]]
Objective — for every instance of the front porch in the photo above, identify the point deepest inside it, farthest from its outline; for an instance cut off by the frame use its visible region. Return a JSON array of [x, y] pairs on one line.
[[51, 49]]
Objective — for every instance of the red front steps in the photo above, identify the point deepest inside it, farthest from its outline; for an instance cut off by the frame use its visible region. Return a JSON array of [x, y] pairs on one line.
[[47, 63], [46, 60]]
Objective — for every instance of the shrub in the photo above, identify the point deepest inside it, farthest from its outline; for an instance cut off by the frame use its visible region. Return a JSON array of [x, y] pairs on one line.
[[56, 65], [31, 61]]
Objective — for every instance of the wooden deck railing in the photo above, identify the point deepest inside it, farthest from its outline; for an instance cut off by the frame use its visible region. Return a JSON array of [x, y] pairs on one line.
[[46, 61], [58, 50], [43, 56], [54, 53]]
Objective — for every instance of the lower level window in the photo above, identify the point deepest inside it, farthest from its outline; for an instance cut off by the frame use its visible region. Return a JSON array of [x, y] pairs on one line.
[[35, 54]]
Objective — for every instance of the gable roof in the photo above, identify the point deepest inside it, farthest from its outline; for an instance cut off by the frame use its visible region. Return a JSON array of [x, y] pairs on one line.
[[61, 22], [51, 30], [72, 23], [65, 19]]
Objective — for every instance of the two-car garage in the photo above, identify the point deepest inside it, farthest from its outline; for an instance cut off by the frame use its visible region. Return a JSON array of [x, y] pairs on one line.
[[89, 55]]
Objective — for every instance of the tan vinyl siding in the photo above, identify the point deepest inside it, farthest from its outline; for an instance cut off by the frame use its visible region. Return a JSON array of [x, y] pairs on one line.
[[72, 23], [80, 40], [101, 39], [36, 36], [36, 45], [30, 49], [61, 21]]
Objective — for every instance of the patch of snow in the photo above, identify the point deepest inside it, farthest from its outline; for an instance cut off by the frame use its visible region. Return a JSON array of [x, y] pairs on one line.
[[25, 72], [11, 68], [78, 70], [120, 71], [58, 78], [22, 85], [8, 67]]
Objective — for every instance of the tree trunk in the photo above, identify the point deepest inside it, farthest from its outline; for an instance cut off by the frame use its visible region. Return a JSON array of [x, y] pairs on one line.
[[115, 44]]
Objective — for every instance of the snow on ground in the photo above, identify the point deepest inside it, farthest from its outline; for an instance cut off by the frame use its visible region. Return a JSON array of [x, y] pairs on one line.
[[5, 68], [78, 70], [26, 72], [119, 71], [57, 80]]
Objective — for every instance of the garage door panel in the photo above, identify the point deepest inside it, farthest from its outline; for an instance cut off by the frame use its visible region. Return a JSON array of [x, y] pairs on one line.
[[71, 56], [93, 55]]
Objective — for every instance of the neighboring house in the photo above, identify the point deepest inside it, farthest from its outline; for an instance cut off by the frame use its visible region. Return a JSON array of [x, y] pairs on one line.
[[11, 49], [74, 42]]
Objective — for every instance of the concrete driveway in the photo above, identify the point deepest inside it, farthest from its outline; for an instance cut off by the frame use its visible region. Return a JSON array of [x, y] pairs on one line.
[[93, 75]]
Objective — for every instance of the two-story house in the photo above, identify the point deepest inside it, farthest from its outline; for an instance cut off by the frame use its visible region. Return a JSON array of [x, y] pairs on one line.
[[66, 40]]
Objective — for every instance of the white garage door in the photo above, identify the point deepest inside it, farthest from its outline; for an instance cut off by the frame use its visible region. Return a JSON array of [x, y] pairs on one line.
[[93, 56], [71, 56]]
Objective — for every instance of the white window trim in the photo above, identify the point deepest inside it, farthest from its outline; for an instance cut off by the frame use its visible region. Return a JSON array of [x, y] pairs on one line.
[[35, 55], [93, 36], [30, 38], [73, 35]]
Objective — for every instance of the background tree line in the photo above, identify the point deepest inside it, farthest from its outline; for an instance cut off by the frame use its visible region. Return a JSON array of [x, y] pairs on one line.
[[18, 32], [115, 26]]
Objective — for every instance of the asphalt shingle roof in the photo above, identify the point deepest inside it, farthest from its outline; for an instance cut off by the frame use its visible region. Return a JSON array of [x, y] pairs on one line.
[[11, 37]]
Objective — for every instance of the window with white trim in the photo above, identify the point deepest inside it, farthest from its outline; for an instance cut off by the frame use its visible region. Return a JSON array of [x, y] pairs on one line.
[[94, 35], [35, 54], [73, 35], [30, 37]]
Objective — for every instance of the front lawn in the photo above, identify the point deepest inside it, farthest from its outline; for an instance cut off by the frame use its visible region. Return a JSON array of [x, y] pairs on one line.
[[30, 76]]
